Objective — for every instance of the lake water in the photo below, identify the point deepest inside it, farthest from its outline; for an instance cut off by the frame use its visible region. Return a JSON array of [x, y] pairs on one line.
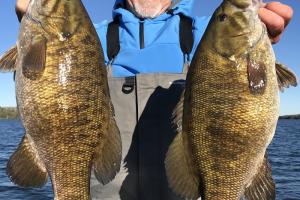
[[284, 154]]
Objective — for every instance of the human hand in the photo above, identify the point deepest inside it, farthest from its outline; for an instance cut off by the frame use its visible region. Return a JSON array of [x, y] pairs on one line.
[[276, 16], [21, 7]]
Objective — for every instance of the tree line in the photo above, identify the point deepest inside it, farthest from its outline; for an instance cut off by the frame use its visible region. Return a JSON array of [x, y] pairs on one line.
[[8, 113], [290, 117]]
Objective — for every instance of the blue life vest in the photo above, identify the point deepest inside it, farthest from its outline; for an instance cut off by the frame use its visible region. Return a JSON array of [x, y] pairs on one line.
[[150, 45]]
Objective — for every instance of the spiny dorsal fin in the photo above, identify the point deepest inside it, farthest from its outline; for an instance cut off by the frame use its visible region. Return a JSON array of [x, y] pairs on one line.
[[8, 60], [33, 62], [178, 113], [285, 77], [182, 178], [262, 186], [108, 156], [25, 168]]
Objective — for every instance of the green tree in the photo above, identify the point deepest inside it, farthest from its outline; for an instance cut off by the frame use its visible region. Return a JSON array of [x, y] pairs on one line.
[[8, 113]]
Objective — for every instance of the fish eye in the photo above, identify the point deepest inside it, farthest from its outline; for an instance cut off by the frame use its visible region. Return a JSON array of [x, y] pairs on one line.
[[222, 17]]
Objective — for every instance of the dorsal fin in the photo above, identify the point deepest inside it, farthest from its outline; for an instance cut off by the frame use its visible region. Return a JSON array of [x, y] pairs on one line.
[[182, 178], [285, 77], [108, 155], [178, 113], [262, 186], [8, 60], [25, 168]]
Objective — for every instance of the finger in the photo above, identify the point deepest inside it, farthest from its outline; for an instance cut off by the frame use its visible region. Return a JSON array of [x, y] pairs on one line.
[[282, 10], [276, 39], [274, 22], [21, 7]]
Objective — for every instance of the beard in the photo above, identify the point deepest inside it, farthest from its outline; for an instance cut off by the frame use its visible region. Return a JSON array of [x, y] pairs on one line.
[[147, 8]]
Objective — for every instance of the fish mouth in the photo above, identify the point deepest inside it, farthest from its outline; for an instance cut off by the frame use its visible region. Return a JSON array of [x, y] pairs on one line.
[[241, 34]]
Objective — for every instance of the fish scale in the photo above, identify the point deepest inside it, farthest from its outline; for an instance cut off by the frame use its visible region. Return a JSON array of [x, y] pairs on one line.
[[73, 184], [63, 101], [228, 113], [229, 142]]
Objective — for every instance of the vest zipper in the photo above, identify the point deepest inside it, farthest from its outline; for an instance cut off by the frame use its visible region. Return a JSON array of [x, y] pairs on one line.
[[142, 37]]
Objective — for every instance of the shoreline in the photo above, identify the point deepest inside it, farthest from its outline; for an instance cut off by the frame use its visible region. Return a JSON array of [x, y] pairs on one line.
[[290, 117], [9, 113]]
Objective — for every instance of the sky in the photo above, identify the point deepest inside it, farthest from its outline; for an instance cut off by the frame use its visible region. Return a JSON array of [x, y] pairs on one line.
[[287, 50]]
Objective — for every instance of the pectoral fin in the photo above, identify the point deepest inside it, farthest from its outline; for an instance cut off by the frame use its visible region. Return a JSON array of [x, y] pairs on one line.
[[262, 186], [33, 62], [25, 168], [180, 174], [257, 76], [8, 60], [108, 155], [285, 77]]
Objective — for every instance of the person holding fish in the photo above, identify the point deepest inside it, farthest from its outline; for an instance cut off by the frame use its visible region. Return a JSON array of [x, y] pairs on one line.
[[148, 48]]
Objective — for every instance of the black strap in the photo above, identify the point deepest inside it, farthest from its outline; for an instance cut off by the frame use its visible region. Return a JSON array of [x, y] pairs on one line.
[[186, 36], [112, 39]]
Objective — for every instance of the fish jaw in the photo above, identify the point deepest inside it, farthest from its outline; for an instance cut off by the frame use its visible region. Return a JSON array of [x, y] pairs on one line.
[[234, 28], [58, 18]]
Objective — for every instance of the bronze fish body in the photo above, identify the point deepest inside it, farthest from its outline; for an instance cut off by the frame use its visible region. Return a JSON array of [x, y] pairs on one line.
[[63, 101], [230, 110]]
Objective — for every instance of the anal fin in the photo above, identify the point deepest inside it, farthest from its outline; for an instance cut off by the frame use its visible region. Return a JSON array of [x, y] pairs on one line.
[[25, 168], [8, 60], [182, 178], [285, 77], [262, 186], [108, 155]]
